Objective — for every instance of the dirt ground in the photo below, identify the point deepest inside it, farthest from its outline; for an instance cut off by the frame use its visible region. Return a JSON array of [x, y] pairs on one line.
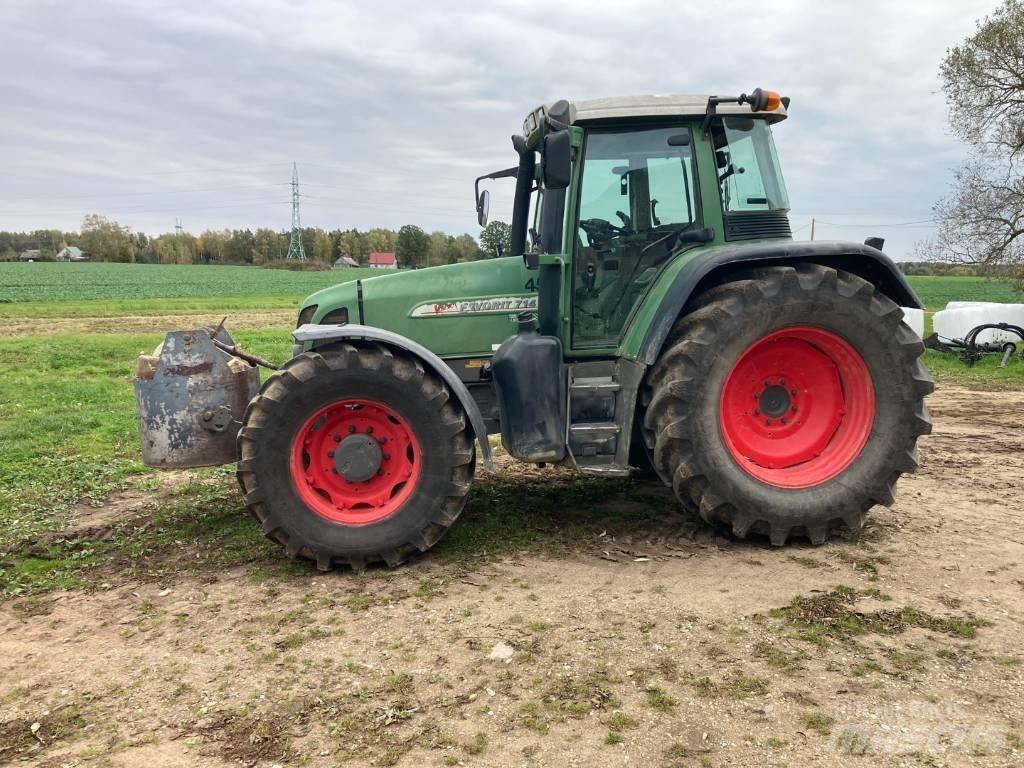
[[239, 320], [900, 646]]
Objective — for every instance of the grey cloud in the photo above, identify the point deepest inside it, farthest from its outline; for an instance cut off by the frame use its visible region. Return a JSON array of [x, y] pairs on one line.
[[151, 110]]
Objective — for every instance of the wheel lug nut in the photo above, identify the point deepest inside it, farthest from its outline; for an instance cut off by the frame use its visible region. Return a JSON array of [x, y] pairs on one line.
[[330, 454], [793, 409], [337, 438], [387, 456], [351, 428], [369, 430], [767, 422], [793, 392], [757, 412], [783, 421]]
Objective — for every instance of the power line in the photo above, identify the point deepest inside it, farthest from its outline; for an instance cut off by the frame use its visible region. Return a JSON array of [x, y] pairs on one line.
[[882, 224]]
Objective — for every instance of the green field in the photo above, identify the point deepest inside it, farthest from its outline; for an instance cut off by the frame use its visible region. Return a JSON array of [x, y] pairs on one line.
[[53, 282], [201, 287], [936, 292]]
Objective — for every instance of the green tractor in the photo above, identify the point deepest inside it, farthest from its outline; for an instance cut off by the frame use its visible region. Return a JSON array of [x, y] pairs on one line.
[[655, 316]]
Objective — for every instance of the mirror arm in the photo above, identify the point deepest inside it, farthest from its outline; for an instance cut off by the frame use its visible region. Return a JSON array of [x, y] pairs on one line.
[[504, 173]]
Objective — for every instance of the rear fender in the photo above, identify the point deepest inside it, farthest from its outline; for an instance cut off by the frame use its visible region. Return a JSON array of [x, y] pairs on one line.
[[718, 265], [314, 333]]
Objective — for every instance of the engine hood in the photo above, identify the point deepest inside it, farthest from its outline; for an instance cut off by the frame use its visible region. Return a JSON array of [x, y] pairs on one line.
[[453, 310]]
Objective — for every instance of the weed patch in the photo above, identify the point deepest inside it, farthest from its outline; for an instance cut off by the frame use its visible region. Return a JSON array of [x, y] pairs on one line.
[[832, 616], [818, 722]]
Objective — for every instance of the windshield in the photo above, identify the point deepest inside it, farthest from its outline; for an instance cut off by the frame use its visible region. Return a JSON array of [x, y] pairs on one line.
[[748, 167], [637, 191]]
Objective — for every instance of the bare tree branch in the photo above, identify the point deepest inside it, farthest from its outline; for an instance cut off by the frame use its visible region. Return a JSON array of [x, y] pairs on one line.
[[981, 222]]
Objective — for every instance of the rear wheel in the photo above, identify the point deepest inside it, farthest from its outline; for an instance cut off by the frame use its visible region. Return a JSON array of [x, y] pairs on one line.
[[355, 453], [788, 403]]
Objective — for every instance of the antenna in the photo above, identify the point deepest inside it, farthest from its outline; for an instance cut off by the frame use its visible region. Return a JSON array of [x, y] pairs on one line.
[[295, 249]]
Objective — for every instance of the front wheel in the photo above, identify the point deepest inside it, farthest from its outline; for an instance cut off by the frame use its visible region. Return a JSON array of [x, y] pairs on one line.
[[355, 453], [788, 403]]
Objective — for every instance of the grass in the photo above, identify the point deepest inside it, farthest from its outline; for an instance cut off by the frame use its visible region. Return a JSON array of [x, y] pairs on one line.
[[659, 700], [819, 722], [936, 291], [56, 282], [68, 436], [985, 374], [833, 616]]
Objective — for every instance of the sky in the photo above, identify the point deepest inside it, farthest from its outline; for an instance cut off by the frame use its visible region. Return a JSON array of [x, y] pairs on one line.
[[149, 111]]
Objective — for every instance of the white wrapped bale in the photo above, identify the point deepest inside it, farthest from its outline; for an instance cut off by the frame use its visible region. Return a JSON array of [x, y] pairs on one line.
[[959, 317], [915, 319]]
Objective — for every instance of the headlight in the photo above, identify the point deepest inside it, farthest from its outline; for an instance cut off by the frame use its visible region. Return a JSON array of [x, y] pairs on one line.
[[337, 316], [306, 315]]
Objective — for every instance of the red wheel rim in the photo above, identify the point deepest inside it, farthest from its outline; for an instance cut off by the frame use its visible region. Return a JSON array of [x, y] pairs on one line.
[[797, 407], [355, 425]]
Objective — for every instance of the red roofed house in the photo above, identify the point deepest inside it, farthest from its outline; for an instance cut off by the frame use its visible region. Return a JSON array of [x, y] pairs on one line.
[[383, 261]]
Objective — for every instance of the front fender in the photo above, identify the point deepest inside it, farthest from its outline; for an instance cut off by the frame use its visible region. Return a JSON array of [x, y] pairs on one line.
[[312, 332], [714, 267]]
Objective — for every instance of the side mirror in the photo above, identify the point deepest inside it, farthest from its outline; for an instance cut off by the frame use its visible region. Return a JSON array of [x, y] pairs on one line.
[[483, 207], [557, 158]]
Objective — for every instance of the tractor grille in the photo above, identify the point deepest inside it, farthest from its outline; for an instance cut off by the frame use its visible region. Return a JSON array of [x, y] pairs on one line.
[[756, 224]]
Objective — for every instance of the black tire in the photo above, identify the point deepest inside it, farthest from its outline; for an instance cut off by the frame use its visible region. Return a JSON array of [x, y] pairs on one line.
[[313, 380], [683, 389]]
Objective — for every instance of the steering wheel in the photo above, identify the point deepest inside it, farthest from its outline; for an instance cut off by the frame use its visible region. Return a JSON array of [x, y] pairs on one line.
[[599, 230]]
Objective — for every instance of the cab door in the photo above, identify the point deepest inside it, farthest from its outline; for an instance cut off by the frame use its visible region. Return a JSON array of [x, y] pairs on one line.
[[636, 190]]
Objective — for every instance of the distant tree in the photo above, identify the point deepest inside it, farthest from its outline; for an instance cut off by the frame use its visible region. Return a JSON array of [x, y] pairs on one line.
[[982, 220], [437, 252], [170, 248], [318, 245], [106, 240], [468, 249], [212, 244], [380, 241], [451, 251], [412, 246], [238, 247], [350, 244], [496, 239], [268, 245]]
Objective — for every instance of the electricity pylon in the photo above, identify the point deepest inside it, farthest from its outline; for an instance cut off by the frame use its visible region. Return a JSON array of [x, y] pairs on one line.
[[295, 249]]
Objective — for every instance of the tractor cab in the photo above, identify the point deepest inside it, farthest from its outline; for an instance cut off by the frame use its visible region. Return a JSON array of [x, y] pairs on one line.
[[610, 195], [609, 192]]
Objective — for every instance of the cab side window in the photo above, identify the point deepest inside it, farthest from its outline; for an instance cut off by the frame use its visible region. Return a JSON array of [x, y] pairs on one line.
[[638, 189]]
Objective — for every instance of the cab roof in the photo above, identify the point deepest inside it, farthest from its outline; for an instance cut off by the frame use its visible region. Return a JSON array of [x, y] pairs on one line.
[[618, 107]]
